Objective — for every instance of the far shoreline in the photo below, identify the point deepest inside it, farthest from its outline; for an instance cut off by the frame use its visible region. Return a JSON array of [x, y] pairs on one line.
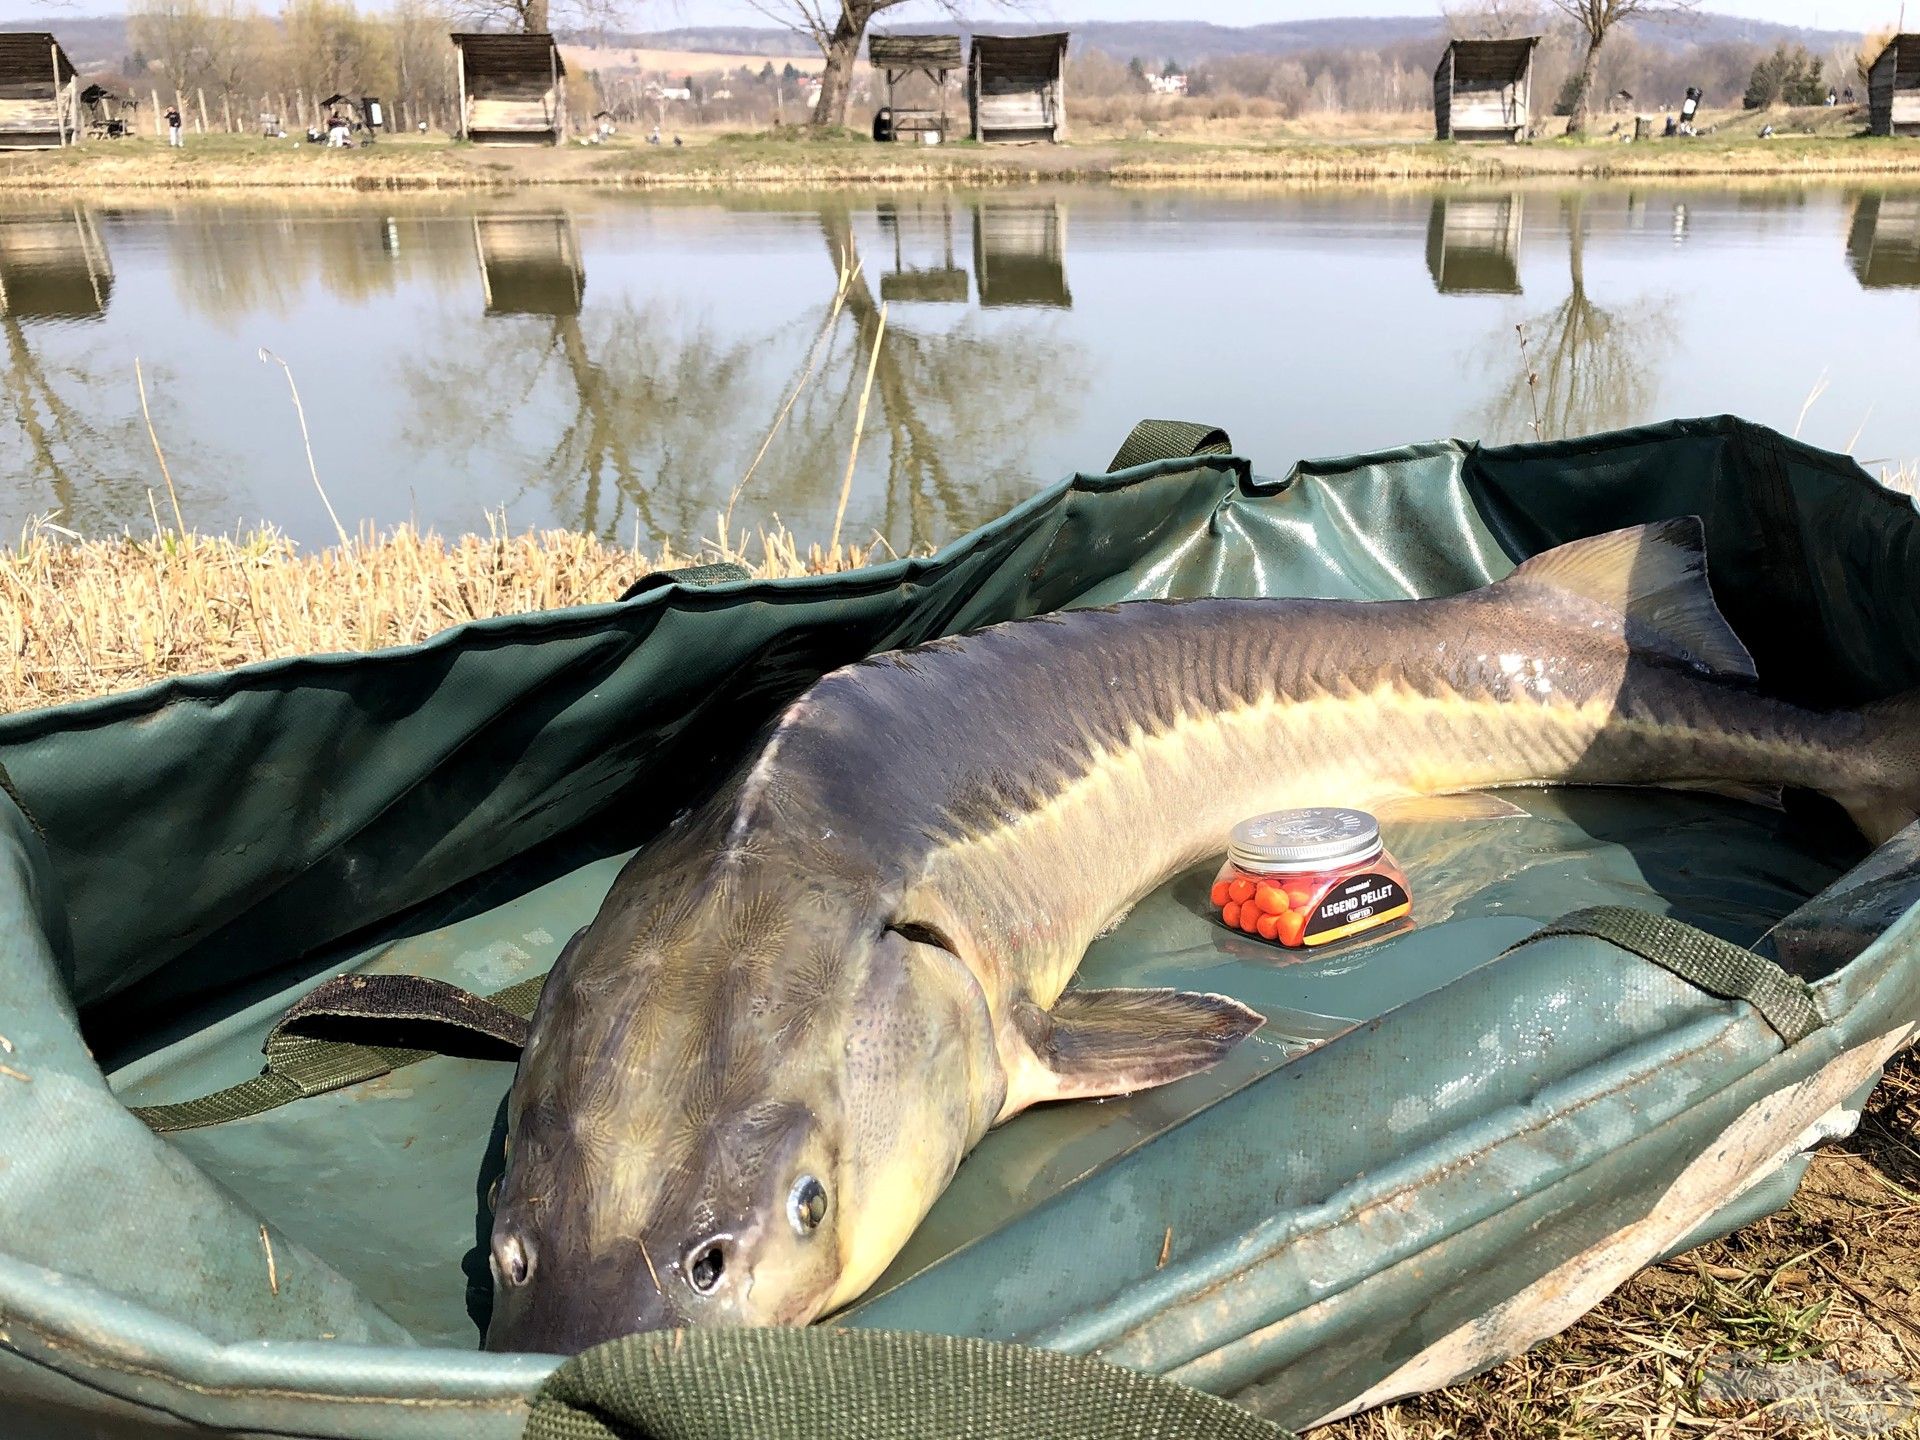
[[405, 163]]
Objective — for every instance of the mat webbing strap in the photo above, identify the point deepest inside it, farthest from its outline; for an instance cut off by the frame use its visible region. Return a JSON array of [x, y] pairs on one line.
[[1717, 966], [739, 1384], [306, 1054], [1169, 440]]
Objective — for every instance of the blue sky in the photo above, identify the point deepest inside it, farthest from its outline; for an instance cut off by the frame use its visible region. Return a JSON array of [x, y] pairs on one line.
[[665, 14]]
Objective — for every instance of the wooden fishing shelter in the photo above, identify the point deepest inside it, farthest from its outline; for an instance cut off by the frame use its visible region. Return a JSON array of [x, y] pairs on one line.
[[511, 90], [1883, 243], [1483, 90], [900, 58], [1017, 88], [1893, 88], [1473, 244], [39, 93]]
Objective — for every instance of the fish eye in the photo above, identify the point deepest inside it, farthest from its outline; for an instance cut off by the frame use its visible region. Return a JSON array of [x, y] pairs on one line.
[[512, 1260], [806, 1205], [707, 1265]]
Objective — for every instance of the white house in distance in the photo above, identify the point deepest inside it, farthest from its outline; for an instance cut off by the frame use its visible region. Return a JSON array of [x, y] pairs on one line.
[[1167, 84]]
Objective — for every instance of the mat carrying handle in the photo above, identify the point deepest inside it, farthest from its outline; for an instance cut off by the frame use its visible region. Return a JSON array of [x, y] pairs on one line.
[[1152, 440], [799, 1383], [359, 1027]]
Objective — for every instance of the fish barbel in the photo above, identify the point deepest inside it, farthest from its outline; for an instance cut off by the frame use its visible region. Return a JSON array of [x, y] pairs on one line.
[[800, 1006]]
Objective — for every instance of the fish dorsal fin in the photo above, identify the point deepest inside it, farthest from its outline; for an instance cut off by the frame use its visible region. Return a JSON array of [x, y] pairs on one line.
[[1652, 579]]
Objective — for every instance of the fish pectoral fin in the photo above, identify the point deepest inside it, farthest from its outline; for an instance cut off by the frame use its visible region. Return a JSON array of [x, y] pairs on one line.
[[1112, 1042], [1655, 578]]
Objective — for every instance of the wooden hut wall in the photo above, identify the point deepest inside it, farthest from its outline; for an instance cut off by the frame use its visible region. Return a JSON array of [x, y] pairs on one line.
[[1016, 87], [1483, 90], [511, 89], [1893, 88], [39, 93]]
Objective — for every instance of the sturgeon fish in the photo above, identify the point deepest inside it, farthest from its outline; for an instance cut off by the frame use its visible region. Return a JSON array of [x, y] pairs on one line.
[[801, 1006]]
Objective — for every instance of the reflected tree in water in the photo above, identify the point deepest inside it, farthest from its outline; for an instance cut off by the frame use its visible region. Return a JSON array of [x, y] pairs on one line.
[[1583, 368], [234, 263], [948, 401], [643, 417]]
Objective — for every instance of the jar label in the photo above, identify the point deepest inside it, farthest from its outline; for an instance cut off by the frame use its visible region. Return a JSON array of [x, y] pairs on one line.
[[1354, 904]]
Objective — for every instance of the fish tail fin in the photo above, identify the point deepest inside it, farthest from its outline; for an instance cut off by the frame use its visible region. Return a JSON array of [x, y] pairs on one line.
[[1893, 742], [1648, 580]]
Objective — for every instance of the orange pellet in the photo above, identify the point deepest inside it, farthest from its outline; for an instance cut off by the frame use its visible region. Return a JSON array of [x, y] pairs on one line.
[[1292, 925], [1298, 897], [1270, 898], [1250, 919], [1219, 896], [1230, 913], [1269, 926], [1240, 890]]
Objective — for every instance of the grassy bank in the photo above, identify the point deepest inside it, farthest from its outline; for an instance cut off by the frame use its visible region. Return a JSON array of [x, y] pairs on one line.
[[84, 618], [1224, 152]]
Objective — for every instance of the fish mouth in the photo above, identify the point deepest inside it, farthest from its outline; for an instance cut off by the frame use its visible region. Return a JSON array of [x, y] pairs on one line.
[[566, 1325]]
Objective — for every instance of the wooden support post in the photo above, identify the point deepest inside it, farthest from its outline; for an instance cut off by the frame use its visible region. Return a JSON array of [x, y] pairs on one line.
[[460, 61], [559, 100], [226, 104], [59, 108], [159, 124]]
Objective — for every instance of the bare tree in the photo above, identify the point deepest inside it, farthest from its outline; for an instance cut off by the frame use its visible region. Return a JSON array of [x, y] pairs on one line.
[[836, 27], [537, 17], [1594, 21], [1492, 19]]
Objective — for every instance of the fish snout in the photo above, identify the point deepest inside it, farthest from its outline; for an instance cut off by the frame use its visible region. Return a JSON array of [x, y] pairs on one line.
[[563, 1319]]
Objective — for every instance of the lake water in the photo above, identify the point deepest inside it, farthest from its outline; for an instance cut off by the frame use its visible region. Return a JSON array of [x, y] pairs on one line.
[[615, 362]]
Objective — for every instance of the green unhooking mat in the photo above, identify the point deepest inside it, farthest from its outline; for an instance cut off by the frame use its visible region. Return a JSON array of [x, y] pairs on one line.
[[1616, 1030]]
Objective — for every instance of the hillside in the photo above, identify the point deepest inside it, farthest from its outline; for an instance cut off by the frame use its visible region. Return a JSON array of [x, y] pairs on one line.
[[1190, 41]]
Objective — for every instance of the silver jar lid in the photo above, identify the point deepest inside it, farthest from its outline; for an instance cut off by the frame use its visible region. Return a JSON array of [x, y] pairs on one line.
[[1323, 838]]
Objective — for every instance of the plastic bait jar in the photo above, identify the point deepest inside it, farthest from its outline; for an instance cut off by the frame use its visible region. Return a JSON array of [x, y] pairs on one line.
[[1309, 877]]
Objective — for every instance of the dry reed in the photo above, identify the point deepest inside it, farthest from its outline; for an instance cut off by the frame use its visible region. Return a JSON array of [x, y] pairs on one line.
[[80, 617]]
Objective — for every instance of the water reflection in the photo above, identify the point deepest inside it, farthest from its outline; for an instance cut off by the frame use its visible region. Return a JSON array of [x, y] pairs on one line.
[[924, 271], [1473, 244], [529, 264], [1883, 243], [1580, 367], [452, 357], [1020, 253], [53, 266]]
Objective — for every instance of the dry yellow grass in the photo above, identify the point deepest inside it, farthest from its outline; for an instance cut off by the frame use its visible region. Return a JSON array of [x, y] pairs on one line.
[[88, 617]]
